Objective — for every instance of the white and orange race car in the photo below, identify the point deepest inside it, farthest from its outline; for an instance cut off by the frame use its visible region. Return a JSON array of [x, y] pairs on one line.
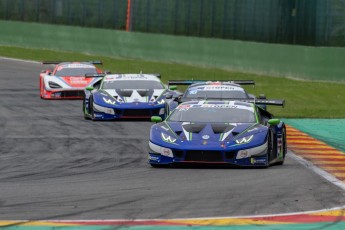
[[67, 79]]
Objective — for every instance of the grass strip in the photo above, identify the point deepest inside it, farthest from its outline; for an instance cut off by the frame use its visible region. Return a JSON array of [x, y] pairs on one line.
[[304, 99]]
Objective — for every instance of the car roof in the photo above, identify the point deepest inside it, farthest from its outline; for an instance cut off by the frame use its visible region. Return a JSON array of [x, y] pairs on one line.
[[75, 65], [208, 86], [218, 104], [131, 77]]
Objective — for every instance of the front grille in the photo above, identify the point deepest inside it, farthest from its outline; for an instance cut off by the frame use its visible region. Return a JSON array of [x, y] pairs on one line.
[[140, 112], [178, 153], [75, 93], [204, 156], [230, 155], [136, 112]]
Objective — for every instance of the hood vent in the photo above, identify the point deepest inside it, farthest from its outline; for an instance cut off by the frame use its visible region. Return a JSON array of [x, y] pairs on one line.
[[145, 93], [178, 133], [235, 133], [194, 128], [221, 128], [124, 93]]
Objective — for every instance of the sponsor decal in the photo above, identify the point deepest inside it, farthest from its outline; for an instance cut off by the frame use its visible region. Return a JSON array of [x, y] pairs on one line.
[[154, 158], [183, 107], [77, 81], [205, 137], [258, 161], [223, 87], [58, 94], [204, 142]]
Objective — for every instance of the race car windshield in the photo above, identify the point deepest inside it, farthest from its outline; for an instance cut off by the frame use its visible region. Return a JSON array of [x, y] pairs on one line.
[[79, 72], [212, 115], [206, 94], [134, 85]]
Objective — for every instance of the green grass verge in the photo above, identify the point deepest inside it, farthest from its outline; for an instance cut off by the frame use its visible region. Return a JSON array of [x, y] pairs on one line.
[[304, 99]]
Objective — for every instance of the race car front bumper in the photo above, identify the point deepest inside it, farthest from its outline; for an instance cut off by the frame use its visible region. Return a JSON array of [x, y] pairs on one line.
[[160, 155]]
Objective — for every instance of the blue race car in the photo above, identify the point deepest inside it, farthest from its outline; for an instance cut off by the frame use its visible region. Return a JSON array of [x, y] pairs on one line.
[[218, 132], [221, 90], [120, 96]]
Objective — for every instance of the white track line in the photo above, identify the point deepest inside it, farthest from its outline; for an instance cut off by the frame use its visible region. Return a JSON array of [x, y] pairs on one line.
[[317, 170], [20, 60]]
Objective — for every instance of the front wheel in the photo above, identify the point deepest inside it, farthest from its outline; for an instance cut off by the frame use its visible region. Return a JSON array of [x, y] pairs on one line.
[[92, 113], [270, 147], [284, 146]]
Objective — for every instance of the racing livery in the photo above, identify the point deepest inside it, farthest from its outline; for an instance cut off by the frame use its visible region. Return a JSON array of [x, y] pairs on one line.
[[218, 132], [119, 96], [213, 90], [67, 80]]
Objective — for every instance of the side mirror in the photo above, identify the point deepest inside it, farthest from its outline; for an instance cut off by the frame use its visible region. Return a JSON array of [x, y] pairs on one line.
[[156, 119], [262, 96], [273, 121], [168, 96], [173, 87], [89, 88], [107, 72], [178, 99]]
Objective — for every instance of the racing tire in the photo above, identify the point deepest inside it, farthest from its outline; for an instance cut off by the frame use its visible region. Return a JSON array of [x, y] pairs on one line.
[[160, 165], [284, 147], [270, 147], [91, 109], [85, 117]]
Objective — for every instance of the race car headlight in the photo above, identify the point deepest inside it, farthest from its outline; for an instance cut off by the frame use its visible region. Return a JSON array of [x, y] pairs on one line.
[[102, 109], [244, 140], [160, 150], [257, 151], [168, 138], [162, 111], [54, 85]]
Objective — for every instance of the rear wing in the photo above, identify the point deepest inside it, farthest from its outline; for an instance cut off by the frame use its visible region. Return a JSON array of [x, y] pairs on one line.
[[158, 75], [190, 82], [97, 62], [277, 102], [93, 75]]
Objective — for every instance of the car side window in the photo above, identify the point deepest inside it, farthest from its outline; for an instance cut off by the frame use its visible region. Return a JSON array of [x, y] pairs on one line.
[[97, 84]]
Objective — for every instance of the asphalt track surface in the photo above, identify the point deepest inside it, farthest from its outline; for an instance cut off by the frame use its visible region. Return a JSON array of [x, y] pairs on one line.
[[56, 165]]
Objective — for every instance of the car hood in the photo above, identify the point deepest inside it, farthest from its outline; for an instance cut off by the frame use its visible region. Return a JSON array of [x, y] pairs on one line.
[[185, 132], [77, 81], [136, 95], [69, 81]]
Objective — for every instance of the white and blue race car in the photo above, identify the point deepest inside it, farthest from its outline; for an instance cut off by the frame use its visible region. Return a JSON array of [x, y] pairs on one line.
[[221, 90], [218, 132], [121, 96]]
